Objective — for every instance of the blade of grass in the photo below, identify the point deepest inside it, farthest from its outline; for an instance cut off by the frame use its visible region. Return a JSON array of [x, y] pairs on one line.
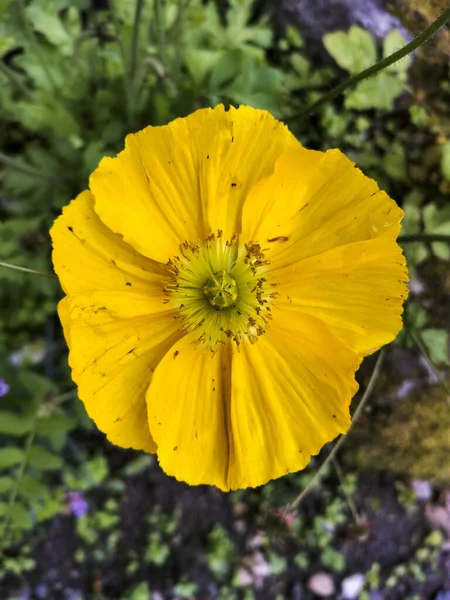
[[26, 270]]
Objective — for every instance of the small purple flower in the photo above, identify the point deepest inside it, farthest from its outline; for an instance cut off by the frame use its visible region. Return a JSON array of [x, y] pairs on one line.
[[77, 503], [4, 388]]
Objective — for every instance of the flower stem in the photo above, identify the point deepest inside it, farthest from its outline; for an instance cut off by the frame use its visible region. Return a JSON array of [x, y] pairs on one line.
[[348, 497], [9, 73], [26, 270], [135, 38], [423, 349], [376, 68], [424, 237], [4, 537], [315, 480]]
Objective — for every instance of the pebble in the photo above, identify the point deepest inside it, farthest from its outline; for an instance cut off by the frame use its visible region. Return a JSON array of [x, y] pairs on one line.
[[260, 567], [321, 584], [422, 489], [243, 578], [352, 586]]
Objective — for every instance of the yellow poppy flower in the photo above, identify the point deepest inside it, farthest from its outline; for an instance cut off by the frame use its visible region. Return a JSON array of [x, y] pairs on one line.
[[222, 286]]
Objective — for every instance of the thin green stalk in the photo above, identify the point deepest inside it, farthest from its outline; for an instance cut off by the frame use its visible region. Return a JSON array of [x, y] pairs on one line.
[[350, 501], [423, 349], [135, 38], [33, 41], [317, 476], [66, 396], [4, 536], [424, 237], [376, 68], [26, 270], [9, 73], [15, 163], [127, 83], [159, 29]]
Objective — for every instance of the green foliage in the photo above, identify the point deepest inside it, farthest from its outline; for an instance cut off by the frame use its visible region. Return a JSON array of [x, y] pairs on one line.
[[220, 553], [355, 51]]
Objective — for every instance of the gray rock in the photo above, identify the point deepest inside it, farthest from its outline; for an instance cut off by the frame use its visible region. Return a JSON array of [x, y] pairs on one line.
[[314, 19]]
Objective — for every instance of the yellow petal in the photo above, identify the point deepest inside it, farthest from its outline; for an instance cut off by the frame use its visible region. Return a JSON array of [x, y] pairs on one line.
[[313, 202], [187, 405], [357, 290], [114, 321], [187, 179], [291, 393], [88, 256], [113, 355]]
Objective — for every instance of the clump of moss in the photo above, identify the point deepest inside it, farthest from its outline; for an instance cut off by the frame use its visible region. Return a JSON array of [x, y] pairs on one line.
[[413, 440], [416, 15]]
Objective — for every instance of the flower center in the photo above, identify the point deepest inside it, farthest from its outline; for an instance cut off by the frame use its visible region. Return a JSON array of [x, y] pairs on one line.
[[221, 290]]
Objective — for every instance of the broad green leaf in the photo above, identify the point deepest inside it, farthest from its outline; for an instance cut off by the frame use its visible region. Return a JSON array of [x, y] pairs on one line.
[[200, 63], [437, 342], [41, 459], [394, 162], [32, 488], [6, 483], [140, 592], [50, 508], [227, 66], [10, 457], [55, 429], [378, 92], [353, 51], [4, 6], [20, 517], [445, 160], [13, 423], [50, 26]]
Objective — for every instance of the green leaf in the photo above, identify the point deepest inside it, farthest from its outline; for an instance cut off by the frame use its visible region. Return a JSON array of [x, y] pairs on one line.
[[55, 429], [50, 26], [20, 517], [227, 66], [200, 63], [140, 592], [378, 92], [138, 465], [353, 51], [14, 423], [31, 488], [445, 160], [394, 162], [50, 508], [9, 457], [6, 484], [41, 459], [37, 385], [436, 340]]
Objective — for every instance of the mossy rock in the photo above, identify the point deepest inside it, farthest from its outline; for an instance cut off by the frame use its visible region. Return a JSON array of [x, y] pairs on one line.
[[416, 15], [412, 440]]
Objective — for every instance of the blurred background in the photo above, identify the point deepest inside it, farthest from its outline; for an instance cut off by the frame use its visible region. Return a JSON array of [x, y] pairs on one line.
[[81, 519]]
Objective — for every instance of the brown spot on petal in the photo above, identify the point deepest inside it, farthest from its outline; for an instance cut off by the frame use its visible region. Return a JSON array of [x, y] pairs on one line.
[[281, 238]]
